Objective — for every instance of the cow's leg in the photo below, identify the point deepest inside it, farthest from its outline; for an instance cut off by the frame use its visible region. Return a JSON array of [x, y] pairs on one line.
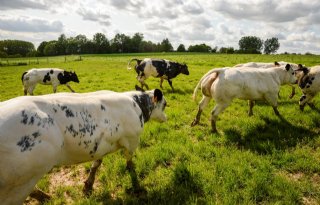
[[141, 79], [39, 195], [306, 100], [30, 89], [170, 83], [70, 88], [293, 91], [161, 81], [251, 104], [131, 168], [54, 88], [273, 101], [203, 103], [220, 107], [25, 90], [88, 184]]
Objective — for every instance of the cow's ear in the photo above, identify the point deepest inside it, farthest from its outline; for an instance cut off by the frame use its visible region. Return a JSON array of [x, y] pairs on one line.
[[276, 63], [138, 88], [288, 66], [157, 95], [300, 66]]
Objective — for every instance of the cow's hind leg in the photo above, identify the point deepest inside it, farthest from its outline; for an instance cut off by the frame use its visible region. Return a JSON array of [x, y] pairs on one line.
[[203, 103], [161, 81], [88, 184], [220, 107], [273, 101], [251, 104]]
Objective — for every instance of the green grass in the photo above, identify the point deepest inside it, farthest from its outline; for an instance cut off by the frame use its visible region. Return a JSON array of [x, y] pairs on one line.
[[251, 160]]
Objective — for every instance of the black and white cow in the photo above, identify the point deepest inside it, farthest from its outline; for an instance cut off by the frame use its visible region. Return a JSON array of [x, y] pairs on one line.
[[309, 83], [160, 68], [40, 132], [47, 76]]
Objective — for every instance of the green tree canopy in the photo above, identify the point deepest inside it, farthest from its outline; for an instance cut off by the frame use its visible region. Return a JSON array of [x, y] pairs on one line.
[[271, 45], [181, 48], [250, 44]]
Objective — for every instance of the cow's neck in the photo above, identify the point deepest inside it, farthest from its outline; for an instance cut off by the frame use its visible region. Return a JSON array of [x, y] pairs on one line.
[[145, 104]]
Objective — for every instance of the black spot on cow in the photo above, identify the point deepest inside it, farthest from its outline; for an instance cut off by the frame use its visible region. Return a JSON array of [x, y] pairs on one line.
[[141, 119], [36, 134], [302, 98], [46, 78], [71, 130], [24, 117], [95, 148], [51, 71], [145, 104], [31, 120], [26, 143], [67, 110], [55, 110], [103, 108]]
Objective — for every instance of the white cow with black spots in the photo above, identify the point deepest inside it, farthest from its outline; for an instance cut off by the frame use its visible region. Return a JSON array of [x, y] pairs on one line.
[[40, 132], [223, 85], [47, 76]]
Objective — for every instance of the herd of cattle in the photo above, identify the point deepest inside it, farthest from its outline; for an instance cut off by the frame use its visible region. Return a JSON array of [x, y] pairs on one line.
[[40, 132]]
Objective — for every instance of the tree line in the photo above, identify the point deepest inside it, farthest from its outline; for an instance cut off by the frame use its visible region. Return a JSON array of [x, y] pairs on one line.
[[122, 43]]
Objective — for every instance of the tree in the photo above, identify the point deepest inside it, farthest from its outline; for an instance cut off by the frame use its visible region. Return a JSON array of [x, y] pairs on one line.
[[199, 48], [16, 47], [271, 45], [181, 48], [166, 46], [136, 41], [226, 50], [250, 44], [101, 43], [40, 49], [61, 45], [51, 49]]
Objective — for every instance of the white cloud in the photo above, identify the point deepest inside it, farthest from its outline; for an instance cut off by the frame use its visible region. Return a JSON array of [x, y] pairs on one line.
[[29, 24], [90, 15]]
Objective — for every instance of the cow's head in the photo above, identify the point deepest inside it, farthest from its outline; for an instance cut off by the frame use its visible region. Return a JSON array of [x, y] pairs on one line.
[[291, 74], [160, 104], [72, 76], [184, 69]]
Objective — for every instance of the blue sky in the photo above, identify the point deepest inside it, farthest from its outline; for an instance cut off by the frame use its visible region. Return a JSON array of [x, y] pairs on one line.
[[215, 22]]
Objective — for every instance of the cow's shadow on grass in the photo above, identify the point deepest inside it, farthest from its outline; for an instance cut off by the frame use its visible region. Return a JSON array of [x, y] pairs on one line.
[[183, 188], [274, 135]]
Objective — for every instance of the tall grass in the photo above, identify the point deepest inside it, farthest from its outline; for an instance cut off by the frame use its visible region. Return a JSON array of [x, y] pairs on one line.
[[261, 159]]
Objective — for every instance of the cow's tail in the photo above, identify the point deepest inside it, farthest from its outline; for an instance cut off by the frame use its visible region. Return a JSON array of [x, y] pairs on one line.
[[129, 63], [214, 70], [22, 77]]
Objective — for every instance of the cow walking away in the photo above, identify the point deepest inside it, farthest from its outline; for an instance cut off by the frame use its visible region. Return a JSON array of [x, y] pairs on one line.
[[159, 68], [47, 76], [223, 85], [40, 132]]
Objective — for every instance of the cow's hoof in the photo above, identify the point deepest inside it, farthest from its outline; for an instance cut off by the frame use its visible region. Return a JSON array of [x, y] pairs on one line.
[[40, 195], [87, 189], [194, 123]]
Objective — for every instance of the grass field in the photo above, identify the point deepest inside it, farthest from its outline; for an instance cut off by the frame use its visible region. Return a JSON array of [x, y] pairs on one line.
[[251, 160]]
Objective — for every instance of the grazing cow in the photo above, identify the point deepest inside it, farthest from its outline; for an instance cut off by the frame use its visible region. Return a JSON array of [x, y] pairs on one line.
[[40, 132], [163, 69], [223, 85], [309, 83], [47, 76], [271, 65]]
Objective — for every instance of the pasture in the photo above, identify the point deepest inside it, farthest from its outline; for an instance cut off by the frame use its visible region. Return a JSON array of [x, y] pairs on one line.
[[262, 159]]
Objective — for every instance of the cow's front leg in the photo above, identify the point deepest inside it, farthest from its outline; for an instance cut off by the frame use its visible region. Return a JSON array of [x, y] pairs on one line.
[[293, 91], [54, 88], [70, 88], [40, 195], [88, 184]]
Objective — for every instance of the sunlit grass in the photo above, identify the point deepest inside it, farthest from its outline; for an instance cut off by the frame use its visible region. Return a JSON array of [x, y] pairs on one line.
[[262, 159]]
